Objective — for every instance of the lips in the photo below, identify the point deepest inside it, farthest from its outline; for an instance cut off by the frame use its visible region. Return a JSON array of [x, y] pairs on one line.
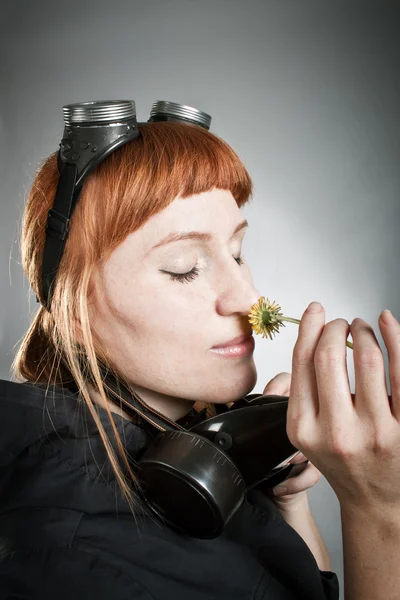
[[235, 341]]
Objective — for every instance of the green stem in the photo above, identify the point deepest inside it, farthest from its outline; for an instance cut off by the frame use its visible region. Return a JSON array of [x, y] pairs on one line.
[[289, 320], [349, 344]]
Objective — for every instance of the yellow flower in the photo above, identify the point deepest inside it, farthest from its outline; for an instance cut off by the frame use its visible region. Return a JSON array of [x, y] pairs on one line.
[[266, 318]]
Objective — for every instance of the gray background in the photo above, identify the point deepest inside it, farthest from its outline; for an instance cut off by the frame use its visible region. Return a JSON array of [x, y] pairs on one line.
[[306, 91]]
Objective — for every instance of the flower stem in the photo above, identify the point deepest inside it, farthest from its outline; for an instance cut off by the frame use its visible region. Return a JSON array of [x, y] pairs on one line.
[[290, 320], [266, 318]]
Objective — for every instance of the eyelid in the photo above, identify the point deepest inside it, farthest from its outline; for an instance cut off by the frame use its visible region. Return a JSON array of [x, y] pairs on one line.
[[193, 273]]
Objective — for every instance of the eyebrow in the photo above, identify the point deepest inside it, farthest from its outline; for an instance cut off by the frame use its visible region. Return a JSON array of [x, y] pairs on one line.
[[194, 235]]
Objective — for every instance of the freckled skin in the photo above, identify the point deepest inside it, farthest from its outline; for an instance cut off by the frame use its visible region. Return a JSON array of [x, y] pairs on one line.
[[160, 330]]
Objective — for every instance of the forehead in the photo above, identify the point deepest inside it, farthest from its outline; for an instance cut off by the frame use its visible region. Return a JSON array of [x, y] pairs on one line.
[[216, 209], [215, 212]]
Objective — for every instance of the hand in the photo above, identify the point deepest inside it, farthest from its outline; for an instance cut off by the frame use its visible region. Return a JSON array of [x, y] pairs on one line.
[[353, 439], [295, 493]]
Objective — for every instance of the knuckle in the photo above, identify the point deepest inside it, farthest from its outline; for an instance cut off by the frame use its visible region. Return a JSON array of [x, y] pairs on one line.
[[380, 446], [303, 359], [327, 355], [340, 444], [369, 357], [324, 353], [342, 449], [302, 356], [298, 434], [381, 442]]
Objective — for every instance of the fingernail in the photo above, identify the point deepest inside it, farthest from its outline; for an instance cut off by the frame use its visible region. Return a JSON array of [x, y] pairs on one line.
[[314, 307], [387, 316]]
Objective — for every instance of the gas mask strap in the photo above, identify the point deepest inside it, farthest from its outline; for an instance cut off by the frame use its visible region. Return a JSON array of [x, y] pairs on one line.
[[93, 130], [57, 227], [134, 405]]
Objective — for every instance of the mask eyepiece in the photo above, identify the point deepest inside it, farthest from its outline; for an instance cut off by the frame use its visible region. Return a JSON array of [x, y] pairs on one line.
[[108, 111], [172, 111]]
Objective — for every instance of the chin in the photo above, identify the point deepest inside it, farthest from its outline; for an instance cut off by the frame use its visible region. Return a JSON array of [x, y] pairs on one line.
[[223, 392]]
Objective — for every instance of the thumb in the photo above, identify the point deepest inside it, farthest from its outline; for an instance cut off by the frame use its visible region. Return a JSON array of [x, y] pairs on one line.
[[279, 385]]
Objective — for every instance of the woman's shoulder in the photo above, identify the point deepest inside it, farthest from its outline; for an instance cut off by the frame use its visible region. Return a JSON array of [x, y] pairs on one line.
[[52, 454]]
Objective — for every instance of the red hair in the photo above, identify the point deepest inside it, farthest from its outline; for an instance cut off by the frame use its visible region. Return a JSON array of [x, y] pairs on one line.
[[134, 183]]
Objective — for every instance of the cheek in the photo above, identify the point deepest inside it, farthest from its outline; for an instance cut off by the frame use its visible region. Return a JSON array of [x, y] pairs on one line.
[[172, 323], [156, 318], [155, 311]]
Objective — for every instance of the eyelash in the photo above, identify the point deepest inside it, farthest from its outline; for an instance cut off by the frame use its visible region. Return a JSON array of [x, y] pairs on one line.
[[188, 277]]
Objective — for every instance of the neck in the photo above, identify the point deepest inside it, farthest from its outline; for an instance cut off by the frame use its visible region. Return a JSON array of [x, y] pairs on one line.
[[171, 407]]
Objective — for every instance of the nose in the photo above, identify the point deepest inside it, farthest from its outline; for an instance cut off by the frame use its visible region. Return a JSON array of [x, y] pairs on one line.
[[237, 293]]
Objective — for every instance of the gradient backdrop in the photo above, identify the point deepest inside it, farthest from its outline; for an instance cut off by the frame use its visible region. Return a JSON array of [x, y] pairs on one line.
[[307, 92]]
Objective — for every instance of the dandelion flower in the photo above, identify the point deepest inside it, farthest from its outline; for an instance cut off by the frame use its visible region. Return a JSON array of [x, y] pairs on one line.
[[266, 318]]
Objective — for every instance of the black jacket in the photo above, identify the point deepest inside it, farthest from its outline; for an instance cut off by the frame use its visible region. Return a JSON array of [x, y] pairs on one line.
[[66, 533]]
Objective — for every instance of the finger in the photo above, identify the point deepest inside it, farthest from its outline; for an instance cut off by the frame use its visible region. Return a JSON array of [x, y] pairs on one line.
[[307, 479], [279, 385], [298, 458], [335, 400], [390, 329], [369, 371], [303, 401]]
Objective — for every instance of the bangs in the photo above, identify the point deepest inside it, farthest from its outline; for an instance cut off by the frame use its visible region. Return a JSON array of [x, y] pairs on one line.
[[144, 176], [176, 159]]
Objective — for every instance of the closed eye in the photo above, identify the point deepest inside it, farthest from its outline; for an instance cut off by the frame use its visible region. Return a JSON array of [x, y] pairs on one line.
[[191, 275]]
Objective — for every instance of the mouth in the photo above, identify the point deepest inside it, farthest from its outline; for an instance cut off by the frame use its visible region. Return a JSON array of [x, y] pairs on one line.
[[239, 347], [237, 341]]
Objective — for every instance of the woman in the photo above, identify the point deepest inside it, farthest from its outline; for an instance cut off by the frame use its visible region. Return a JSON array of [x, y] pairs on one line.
[[132, 300]]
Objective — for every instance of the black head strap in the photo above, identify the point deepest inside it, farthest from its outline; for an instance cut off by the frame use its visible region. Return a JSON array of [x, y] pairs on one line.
[[92, 131]]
